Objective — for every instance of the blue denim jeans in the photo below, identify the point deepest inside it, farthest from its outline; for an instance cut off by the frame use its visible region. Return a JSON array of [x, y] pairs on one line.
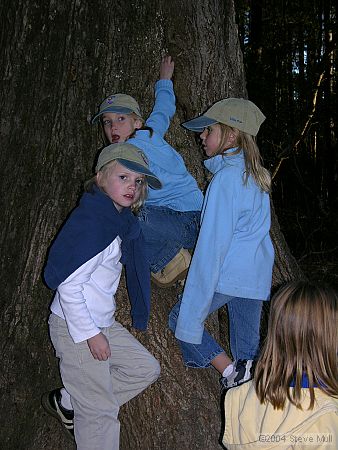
[[167, 231], [244, 326]]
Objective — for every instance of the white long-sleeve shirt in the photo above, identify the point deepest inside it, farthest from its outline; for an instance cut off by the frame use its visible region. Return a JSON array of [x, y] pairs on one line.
[[86, 298]]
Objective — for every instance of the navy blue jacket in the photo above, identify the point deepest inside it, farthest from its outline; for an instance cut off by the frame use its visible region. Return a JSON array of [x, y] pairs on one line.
[[90, 228]]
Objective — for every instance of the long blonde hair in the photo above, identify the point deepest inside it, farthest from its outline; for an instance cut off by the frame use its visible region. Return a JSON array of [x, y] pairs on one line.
[[105, 170], [252, 157], [302, 340]]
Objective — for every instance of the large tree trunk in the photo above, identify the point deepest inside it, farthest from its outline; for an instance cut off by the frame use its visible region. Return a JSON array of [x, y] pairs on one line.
[[59, 60]]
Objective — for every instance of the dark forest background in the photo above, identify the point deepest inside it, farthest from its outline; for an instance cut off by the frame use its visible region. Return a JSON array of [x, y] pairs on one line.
[[290, 59]]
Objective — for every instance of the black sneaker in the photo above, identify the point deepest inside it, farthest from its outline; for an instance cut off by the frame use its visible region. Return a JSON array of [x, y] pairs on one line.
[[243, 372], [51, 401]]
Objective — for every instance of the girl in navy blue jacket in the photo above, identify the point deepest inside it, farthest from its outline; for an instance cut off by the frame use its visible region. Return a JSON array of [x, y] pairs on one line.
[[102, 365], [233, 258]]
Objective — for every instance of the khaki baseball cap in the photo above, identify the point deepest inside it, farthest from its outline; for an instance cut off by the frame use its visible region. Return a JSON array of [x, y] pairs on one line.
[[130, 157], [118, 103], [235, 112]]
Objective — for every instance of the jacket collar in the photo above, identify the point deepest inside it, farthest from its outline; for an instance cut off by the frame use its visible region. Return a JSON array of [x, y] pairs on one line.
[[216, 163]]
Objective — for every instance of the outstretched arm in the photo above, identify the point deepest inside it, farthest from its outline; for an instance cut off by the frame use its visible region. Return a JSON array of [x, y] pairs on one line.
[[167, 68], [164, 107]]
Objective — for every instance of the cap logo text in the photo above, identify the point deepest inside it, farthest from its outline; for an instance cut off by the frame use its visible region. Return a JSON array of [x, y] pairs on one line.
[[233, 119]]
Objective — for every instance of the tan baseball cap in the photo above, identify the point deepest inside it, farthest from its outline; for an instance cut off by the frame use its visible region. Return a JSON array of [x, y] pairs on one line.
[[118, 103], [130, 157], [235, 112]]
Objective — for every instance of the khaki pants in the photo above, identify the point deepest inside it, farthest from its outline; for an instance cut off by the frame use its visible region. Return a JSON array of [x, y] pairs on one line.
[[99, 388]]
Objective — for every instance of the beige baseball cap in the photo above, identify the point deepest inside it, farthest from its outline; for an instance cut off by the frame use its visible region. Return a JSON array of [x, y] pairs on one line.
[[235, 112], [130, 157], [118, 103]]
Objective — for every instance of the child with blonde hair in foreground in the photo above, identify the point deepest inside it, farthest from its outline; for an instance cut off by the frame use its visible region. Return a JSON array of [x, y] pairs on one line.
[[102, 365], [292, 402]]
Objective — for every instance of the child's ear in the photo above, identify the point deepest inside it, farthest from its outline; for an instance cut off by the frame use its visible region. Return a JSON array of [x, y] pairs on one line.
[[232, 137], [138, 124]]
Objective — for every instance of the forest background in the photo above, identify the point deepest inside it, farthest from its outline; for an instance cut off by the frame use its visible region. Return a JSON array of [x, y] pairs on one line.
[[290, 60], [58, 59]]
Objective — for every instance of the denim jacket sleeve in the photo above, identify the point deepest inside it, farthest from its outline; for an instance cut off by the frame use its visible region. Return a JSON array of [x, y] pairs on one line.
[[164, 107], [216, 233]]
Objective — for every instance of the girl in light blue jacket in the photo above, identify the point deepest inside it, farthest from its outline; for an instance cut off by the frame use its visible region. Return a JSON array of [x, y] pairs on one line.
[[233, 259], [169, 220]]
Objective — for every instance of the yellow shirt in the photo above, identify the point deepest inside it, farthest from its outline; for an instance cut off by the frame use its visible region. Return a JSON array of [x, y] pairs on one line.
[[251, 425]]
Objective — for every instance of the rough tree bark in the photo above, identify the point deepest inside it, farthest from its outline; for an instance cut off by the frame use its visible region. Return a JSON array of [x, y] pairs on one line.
[[58, 59]]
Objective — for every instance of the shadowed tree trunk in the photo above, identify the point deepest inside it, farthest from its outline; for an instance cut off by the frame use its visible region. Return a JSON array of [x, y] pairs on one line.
[[58, 60]]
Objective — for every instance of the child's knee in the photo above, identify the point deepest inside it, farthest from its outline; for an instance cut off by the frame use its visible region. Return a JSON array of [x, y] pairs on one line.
[[154, 370], [157, 370]]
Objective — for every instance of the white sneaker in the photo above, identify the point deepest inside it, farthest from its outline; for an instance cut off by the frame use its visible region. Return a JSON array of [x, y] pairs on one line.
[[243, 372]]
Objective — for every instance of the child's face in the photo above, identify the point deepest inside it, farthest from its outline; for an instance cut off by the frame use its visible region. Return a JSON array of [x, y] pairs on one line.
[[121, 184], [211, 139], [119, 127]]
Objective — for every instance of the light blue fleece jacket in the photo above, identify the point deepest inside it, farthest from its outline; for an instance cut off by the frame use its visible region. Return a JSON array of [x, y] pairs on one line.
[[179, 188], [234, 254]]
